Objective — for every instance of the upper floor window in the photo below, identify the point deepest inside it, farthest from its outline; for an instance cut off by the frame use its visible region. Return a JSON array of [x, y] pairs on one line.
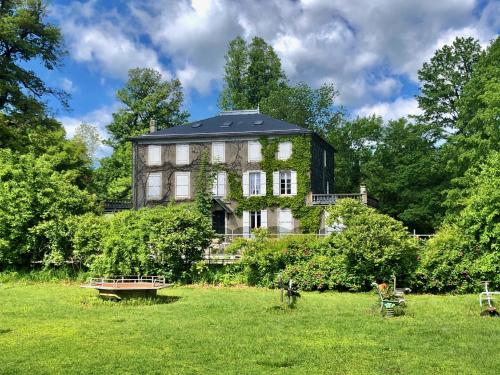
[[254, 151], [182, 182], [154, 155], [324, 158], [153, 190], [181, 154], [219, 187], [284, 150], [218, 152], [285, 183], [254, 183]]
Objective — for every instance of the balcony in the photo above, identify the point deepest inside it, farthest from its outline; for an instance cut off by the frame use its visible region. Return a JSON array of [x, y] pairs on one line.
[[329, 199]]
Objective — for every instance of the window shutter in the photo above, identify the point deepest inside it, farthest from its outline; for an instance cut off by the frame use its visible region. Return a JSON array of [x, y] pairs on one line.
[[154, 155], [245, 183], [254, 151], [293, 175], [154, 186], [262, 183], [215, 186], [284, 150], [276, 183], [285, 221], [218, 152], [246, 224], [181, 154], [182, 181], [263, 218], [221, 182]]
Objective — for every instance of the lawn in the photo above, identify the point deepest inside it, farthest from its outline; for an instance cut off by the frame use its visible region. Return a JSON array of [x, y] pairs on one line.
[[52, 328]]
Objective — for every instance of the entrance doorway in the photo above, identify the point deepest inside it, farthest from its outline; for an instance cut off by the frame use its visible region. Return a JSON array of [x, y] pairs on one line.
[[219, 222]]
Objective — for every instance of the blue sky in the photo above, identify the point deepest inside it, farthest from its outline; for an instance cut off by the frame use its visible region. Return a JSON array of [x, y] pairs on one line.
[[370, 50]]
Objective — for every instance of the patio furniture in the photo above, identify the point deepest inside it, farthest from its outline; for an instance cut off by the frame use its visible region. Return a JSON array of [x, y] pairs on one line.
[[487, 296], [125, 287], [387, 304]]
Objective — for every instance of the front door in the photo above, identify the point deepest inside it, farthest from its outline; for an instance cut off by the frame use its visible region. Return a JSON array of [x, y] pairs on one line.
[[219, 222]]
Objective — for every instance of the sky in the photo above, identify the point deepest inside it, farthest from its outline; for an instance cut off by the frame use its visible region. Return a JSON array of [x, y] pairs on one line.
[[370, 50]]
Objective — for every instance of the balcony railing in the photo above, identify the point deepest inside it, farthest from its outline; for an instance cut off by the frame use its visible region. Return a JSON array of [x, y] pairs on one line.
[[328, 199]]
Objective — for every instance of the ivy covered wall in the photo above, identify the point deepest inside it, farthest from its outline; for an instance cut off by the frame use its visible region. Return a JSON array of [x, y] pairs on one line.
[[300, 161]]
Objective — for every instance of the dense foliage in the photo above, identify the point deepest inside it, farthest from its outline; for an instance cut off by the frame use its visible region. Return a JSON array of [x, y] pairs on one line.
[[36, 195]]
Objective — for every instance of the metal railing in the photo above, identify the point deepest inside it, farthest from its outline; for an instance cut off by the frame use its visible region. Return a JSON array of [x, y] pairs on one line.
[[116, 205], [326, 199], [153, 281]]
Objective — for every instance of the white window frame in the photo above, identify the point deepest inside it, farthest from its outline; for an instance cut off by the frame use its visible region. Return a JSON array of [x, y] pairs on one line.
[[149, 196], [247, 221], [219, 185], [324, 158], [183, 174], [284, 150], [247, 183], [277, 182], [254, 151], [180, 149], [218, 152], [288, 182], [154, 155], [289, 224]]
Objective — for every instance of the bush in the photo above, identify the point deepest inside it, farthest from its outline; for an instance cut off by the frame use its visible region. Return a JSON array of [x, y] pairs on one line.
[[370, 247], [161, 241]]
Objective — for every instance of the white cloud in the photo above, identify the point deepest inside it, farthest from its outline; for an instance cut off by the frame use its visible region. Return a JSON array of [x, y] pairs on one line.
[[366, 48], [68, 85], [103, 41], [390, 110]]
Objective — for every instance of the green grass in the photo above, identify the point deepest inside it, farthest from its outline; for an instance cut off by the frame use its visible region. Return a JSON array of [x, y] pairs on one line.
[[52, 328]]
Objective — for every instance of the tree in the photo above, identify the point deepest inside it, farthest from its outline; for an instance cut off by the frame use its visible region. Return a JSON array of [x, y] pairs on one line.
[[26, 37], [89, 136], [355, 142], [304, 106], [406, 175], [37, 193], [233, 96], [478, 124], [252, 72], [443, 79], [146, 96]]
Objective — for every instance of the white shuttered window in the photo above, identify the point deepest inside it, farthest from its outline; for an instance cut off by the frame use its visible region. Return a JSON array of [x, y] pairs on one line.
[[153, 190], [284, 150], [254, 151], [253, 220], [182, 187], [285, 221], [254, 183], [218, 152], [154, 155], [219, 188], [285, 183], [181, 154]]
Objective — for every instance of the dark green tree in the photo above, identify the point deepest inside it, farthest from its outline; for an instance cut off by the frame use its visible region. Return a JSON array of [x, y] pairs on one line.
[[304, 106], [442, 81], [355, 142], [478, 125], [146, 96], [25, 37], [252, 72], [406, 174]]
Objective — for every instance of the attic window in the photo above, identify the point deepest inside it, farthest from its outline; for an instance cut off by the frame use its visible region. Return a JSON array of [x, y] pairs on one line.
[[226, 124], [258, 122], [196, 125]]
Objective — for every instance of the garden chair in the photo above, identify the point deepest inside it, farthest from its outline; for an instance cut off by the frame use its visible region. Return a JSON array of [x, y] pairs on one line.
[[388, 304], [488, 297]]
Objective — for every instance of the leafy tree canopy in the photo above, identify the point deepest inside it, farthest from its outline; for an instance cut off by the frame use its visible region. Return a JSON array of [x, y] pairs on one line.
[[26, 37], [442, 82], [146, 96], [252, 72]]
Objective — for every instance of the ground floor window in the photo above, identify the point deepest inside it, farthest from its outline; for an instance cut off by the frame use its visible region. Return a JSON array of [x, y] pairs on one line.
[[285, 221], [253, 220]]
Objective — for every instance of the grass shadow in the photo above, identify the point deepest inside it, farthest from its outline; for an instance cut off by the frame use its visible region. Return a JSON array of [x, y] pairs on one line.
[[5, 330], [157, 300]]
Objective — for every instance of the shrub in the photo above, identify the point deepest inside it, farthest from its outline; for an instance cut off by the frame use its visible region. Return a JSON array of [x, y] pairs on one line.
[[162, 240], [370, 247]]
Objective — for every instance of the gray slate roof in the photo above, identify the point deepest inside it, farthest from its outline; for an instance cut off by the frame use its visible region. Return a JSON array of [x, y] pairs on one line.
[[235, 123]]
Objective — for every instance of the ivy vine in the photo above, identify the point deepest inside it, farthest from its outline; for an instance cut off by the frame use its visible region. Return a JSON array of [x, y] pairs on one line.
[[299, 161]]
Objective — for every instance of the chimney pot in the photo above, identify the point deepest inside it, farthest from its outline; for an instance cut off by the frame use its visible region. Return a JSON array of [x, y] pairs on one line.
[[152, 125]]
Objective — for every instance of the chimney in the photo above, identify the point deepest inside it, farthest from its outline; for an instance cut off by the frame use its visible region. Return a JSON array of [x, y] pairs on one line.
[[364, 194], [152, 125]]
